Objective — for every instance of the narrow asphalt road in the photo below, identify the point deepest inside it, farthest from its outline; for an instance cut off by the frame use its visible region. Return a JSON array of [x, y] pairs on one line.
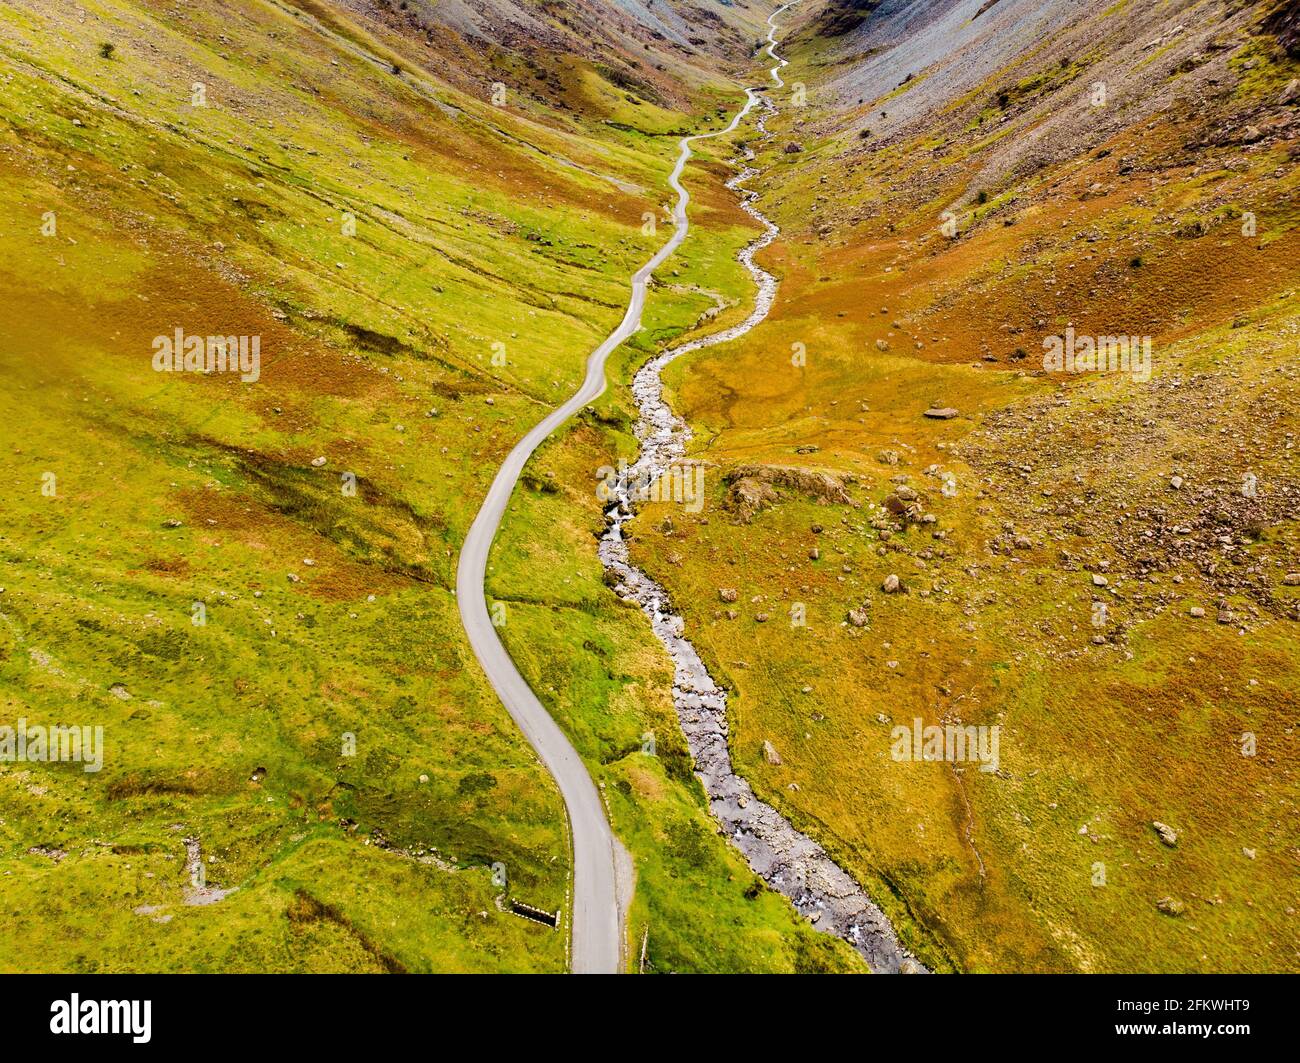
[[595, 919]]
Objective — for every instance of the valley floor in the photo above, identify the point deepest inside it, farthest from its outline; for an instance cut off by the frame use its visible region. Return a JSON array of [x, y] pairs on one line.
[[909, 519]]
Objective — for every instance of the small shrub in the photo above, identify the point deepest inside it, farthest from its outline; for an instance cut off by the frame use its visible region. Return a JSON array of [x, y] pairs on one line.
[[476, 782], [106, 50]]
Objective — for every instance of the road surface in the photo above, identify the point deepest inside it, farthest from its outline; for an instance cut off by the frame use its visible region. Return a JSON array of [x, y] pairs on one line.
[[596, 923]]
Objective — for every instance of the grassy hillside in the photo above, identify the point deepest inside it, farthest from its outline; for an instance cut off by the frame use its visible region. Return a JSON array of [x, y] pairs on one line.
[[247, 585], [1111, 576]]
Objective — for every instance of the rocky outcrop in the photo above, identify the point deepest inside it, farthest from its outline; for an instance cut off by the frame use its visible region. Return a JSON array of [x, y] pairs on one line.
[[1284, 24], [747, 495], [752, 487]]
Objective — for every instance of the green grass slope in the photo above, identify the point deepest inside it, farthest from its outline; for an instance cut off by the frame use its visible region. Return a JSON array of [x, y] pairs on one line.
[[269, 640]]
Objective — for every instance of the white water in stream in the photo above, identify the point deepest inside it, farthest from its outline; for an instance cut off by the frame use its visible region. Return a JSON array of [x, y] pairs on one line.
[[791, 862]]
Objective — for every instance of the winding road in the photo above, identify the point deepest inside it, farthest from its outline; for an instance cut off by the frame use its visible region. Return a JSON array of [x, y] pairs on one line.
[[596, 922]]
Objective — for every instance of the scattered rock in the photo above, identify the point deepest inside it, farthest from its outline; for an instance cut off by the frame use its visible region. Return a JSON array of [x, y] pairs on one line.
[[770, 754], [892, 584], [1171, 906], [728, 594], [941, 413], [1167, 833]]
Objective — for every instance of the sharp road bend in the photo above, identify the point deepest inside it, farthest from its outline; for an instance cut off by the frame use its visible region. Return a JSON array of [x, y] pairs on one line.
[[595, 920]]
